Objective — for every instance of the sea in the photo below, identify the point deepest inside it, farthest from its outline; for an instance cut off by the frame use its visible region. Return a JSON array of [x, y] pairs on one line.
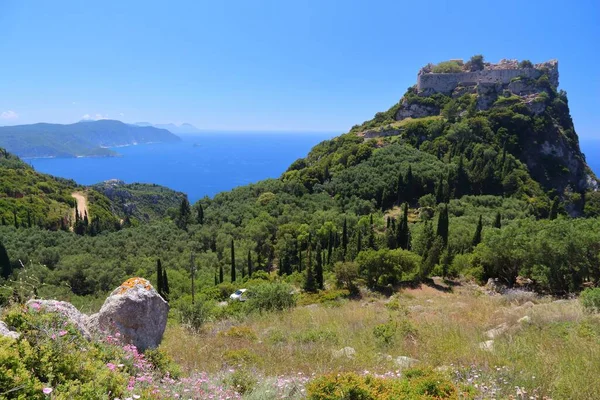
[[199, 165], [209, 163]]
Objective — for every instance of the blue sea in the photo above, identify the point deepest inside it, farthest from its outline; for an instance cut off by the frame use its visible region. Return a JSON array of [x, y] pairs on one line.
[[207, 164], [201, 165]]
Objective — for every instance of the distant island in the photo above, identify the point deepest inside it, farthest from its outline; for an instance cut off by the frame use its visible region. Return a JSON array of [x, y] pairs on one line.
[[81, 139]]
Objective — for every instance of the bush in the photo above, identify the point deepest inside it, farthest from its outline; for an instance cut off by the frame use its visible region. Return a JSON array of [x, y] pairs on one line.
[[416, 384], [195, 315], [271, 297], [525, 64], [590, 299], [446, 67]]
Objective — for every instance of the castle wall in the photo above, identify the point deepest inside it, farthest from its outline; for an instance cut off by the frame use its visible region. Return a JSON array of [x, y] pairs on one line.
[[445, 83]]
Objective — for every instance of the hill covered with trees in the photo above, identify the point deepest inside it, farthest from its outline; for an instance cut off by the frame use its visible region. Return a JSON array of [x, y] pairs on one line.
[[82, 139]]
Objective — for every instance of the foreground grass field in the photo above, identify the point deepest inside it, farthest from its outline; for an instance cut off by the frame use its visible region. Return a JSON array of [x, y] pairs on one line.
[[515, 344]]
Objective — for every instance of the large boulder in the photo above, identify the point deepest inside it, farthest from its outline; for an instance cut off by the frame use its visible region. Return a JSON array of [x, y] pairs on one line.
[[63, 308], [136, 311]]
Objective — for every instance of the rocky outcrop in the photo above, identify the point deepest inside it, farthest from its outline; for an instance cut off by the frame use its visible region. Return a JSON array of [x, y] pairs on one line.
[[63, 308], [6, 332], [415, 110], [136, 311]]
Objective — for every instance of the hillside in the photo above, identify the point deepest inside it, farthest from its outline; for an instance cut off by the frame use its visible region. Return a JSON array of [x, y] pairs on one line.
[[371, 250], [82, 139], [141, 201]]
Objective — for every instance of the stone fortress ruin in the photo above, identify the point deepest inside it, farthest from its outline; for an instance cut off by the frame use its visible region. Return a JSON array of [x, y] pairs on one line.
[[502, 73]]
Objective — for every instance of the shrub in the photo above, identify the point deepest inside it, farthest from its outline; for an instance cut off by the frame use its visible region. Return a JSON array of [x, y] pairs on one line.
[[240, 332], [416, 384], [271, 297], [195, 315], [525, 64], [590, 299], [446, 67], [242, 381]]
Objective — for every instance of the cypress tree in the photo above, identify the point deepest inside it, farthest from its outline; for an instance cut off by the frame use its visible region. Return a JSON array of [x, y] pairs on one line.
[[3, 220], [410, 193], [383, 199], [439, 191], [216, 279], [498, 221], [345, 238], [462, 180], [554, 209], [359, 241], [399, 188], [310, 284], [183, 218], [329, 247], [249, 264], [477, 235], [15, 218], [319, 268], [200, 217], [387, 222], [221, 273], [166, 290], [371, 234], [5, 266], [159, 278], [232, 261], [28, 219], [442, 227], [76, 214], [403, 232]]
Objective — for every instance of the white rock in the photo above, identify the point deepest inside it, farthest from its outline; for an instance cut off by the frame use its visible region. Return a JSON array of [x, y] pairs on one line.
[[347, 352], [136, 311], [488, 345], [497, 331], [405, 362], [4, 331], [525, 320]]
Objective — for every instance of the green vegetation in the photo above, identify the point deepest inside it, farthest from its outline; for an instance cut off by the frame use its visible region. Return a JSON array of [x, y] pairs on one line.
[[464, 194], [446, 67], [590, 299]]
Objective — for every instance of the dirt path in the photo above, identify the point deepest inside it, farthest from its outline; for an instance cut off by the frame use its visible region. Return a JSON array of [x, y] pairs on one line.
[[81, 204]]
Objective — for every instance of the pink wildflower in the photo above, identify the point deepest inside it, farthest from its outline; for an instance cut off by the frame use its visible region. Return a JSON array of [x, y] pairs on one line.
[[47, 390], [111, 366], [62, 333]]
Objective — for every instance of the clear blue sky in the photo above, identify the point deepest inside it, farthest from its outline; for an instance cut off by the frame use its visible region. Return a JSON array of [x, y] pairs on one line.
[[271, 65]]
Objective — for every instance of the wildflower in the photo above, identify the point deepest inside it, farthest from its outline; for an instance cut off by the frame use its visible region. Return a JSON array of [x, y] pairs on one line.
[[47, 390], [111, 366], [62, 333], [36, 306]]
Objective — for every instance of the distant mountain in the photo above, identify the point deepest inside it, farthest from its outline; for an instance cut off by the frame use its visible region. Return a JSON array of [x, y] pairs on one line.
[[82, 139], [182, 129]]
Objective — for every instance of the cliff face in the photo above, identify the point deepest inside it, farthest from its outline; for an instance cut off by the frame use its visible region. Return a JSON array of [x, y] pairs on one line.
[[526, 111]]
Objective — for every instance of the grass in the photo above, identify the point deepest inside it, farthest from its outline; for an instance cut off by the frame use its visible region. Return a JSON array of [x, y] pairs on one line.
[[556, 353]]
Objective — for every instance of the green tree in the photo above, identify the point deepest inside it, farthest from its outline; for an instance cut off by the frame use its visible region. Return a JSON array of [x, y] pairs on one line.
[[249, 264], [554, 209], [442, 226], [183, 217], [403, 233], [310, 283], [165, 282], [200, 215], [477, 236], [319, 268], [476, 63], [345, 238], [159, 278], [232, 261], [498, 221], [220, 273], [5, 265]]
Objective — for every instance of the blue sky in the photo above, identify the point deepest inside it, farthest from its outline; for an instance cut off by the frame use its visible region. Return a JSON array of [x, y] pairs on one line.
[[271, 65]]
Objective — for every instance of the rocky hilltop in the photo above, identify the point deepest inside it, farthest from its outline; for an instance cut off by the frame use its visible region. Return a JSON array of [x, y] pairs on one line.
[[527, 114]]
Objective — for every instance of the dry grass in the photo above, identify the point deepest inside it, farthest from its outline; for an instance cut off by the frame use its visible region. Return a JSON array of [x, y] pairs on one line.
[[556, 353]]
